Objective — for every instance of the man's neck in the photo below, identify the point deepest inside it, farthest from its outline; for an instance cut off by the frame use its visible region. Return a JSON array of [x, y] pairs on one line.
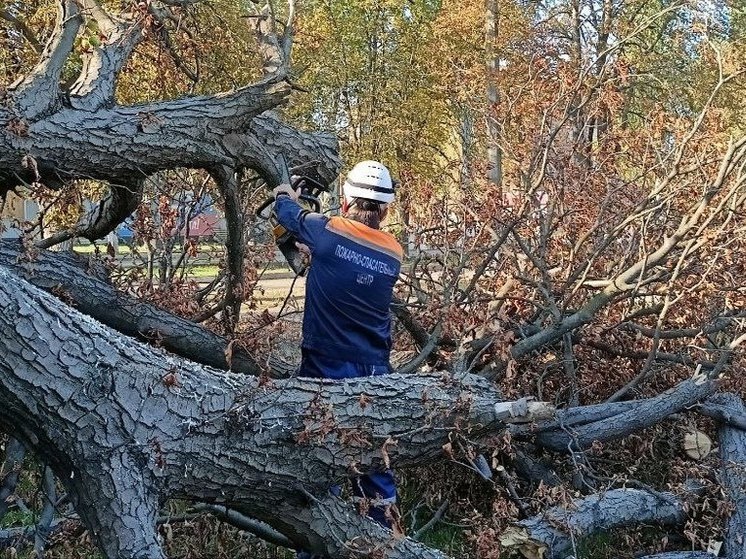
[[369, 219]]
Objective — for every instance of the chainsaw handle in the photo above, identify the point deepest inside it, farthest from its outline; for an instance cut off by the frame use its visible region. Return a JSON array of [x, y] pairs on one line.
[[308, 185]]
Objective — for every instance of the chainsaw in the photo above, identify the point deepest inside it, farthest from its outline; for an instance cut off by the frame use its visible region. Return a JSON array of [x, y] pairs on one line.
[[310, 190]]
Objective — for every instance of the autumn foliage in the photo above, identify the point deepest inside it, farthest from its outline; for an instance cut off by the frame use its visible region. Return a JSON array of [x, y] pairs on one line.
[[619, 131]]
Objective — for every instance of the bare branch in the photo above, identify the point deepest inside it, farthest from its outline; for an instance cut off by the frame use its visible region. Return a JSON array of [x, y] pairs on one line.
[[11, 470], [647, 413], [432, 522], [642, 271], [229, 184], [717, 324], [95, 86], [681, 555], [424, 353], [273, 54], [39, 93], [287, 36], [44, 525], [54, 271], [162, 16], [112, 210], [243, 522], [553, 533]]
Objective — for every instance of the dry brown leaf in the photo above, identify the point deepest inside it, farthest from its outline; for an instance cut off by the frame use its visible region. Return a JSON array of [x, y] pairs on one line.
[[697, 445], [516, 537]]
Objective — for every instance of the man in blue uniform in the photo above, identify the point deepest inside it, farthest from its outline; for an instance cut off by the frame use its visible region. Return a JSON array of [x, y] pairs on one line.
[[347, 322]]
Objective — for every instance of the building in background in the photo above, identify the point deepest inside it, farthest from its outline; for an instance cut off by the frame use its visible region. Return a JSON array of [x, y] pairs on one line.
[[16, 211]]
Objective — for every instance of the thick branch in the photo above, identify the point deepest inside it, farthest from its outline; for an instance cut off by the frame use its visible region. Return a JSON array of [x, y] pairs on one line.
[[733, 476], [96, 84], [39, 93], [647, 413], [406, 319], [556, 531], [235, 247], [726, 414], [123, 145], [267, 137], [235, 518], [119, 203], [66, 276], [76, 391], [273, 58], [44, 525]]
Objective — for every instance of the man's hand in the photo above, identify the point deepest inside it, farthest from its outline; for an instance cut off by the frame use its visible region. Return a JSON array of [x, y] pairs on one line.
[[305, 252], [288, 190]]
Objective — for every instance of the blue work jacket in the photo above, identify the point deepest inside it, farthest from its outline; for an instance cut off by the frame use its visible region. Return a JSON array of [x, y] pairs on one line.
[[349, 285]]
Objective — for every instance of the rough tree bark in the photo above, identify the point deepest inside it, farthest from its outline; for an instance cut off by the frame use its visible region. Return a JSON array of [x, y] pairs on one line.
[[80, 282], [733, 476], [124, 425], [49, 136], [620, 420], [556, 532], [70, 277]]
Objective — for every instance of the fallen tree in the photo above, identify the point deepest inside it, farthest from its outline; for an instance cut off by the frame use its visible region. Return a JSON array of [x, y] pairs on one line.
[[556, 532], [733, 475], [72, 278], [83, 283], [124, 425]]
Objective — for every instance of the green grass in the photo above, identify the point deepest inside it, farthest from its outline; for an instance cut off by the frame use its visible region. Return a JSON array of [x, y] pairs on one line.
[[126, 249], [17, 518], [279, 270], [209, 270], [90, 249], [447, 538], [203, 271]]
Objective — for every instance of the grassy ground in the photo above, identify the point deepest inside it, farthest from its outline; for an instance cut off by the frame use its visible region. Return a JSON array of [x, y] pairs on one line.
[[210, 271], [91, 248], [126, 249]]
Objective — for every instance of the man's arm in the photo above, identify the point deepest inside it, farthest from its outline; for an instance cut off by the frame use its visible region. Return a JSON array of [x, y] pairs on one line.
[[302, 223]]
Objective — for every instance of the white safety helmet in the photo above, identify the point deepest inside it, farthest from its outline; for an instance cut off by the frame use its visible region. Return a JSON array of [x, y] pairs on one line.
[[370, 180]]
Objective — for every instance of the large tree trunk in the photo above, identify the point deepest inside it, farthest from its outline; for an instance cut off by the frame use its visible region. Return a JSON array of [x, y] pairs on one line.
[[124, 425], [733, 476]]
